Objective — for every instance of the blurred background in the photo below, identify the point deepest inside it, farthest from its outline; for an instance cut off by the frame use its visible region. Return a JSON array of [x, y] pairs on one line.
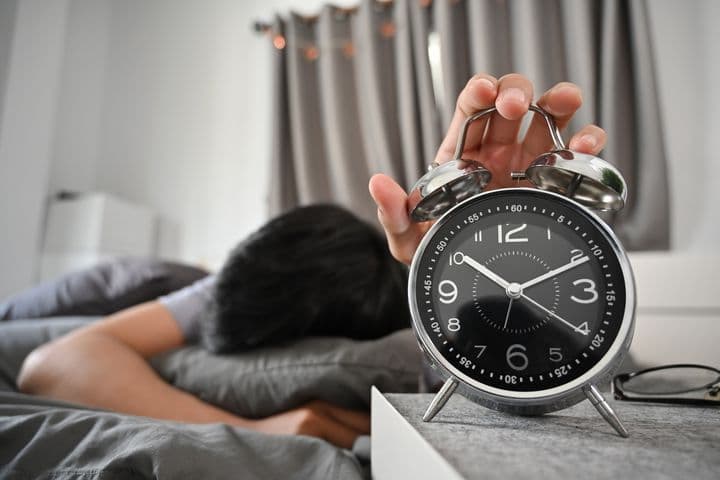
[[150, 128]]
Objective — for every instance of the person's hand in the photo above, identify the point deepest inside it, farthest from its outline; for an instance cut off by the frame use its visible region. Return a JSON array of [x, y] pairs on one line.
[[497, 148], [337, 425]]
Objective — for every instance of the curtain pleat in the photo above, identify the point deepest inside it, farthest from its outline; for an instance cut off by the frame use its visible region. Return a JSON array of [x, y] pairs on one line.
[[283, 187], [631, 115], [343, 140], [304, 109], [375, 76], [373, 89], [489, 36], [537, 47], [430, 129], [451, 23], [409, 102], [579, 46]]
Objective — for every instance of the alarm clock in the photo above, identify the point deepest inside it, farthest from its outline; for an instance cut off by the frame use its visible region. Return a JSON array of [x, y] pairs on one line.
[[522, 299]]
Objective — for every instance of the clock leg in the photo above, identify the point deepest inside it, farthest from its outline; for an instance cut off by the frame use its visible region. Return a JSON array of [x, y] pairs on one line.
[[440, 399], [592, 393]]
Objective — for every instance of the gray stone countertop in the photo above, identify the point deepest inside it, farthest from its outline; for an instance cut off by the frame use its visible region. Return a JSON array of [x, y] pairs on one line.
[[665, 441]]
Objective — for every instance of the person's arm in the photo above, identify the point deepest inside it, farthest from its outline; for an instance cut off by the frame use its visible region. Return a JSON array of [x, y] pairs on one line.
[[105, 365], [493, 142]]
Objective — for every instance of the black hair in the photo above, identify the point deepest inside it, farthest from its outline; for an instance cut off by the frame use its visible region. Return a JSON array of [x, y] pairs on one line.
[[316, 270]]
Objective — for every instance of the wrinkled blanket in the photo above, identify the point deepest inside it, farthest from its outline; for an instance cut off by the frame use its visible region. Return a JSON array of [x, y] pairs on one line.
[[45, 439]]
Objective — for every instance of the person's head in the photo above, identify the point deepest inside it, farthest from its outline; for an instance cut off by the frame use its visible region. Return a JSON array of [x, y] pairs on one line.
[[316, 270]]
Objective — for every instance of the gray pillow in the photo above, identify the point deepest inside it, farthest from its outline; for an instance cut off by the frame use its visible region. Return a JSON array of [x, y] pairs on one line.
[[265, 381], [259, 382], [102, 289]]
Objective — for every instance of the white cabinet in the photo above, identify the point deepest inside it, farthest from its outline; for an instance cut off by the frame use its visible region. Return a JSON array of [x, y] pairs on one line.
[[90, 227]]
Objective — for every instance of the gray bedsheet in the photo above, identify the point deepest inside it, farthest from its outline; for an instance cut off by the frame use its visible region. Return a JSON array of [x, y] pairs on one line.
[[44, 439]]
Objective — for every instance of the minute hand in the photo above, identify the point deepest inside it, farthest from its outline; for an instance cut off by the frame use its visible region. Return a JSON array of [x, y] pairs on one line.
[[580, 330], [555, 272]]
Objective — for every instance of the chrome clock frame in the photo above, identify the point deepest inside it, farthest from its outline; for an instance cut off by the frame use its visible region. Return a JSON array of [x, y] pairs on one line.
[[541, 401]]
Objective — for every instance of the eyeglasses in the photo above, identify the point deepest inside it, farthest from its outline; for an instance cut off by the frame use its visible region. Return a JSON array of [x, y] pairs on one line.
[[686, 384]]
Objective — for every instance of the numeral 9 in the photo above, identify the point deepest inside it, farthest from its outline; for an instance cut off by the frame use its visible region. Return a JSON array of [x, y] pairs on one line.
[[448, 291]]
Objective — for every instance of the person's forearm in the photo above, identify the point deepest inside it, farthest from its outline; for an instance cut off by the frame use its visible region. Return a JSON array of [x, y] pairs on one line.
[[96, 370]]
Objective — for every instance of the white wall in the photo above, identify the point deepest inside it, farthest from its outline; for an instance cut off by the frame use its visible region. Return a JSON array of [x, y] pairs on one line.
[[154, 108], [79, 118], [709, 110], [26, 135], [8, 9], [166, 103], [688, 63]]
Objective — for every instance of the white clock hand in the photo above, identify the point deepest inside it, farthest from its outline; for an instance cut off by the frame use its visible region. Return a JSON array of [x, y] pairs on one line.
[[515, 291], [583, 331], [554, 272], [484, 270]]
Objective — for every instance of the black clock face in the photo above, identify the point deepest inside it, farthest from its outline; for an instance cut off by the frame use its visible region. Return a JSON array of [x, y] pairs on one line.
[[519, 290]]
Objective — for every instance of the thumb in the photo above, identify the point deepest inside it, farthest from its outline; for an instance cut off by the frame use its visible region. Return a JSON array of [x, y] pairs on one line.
[[402, 234]]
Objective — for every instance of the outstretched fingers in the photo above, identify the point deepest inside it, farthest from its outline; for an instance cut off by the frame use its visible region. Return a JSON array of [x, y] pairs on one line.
[[590, 139], [479, 93], [561, 101], [513, 101], [492, 139]]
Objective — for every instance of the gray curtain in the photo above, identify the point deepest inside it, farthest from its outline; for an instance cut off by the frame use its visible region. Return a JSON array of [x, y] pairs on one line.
[[372, 89]]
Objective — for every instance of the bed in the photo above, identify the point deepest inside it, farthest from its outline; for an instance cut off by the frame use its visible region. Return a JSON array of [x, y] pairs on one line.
[[44, 438]]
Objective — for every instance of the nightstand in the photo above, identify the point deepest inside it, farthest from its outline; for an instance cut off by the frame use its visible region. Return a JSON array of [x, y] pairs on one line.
[[467, 441]]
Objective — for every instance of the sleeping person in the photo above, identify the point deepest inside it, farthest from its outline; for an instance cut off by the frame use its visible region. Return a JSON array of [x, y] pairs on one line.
[[313, 271], [316, 270]]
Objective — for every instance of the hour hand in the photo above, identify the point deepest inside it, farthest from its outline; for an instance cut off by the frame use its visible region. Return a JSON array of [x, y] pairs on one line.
[[555, 272], [482, 269]]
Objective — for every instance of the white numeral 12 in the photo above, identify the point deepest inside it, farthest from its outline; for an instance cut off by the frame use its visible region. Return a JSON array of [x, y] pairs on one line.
[[509, 236]]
